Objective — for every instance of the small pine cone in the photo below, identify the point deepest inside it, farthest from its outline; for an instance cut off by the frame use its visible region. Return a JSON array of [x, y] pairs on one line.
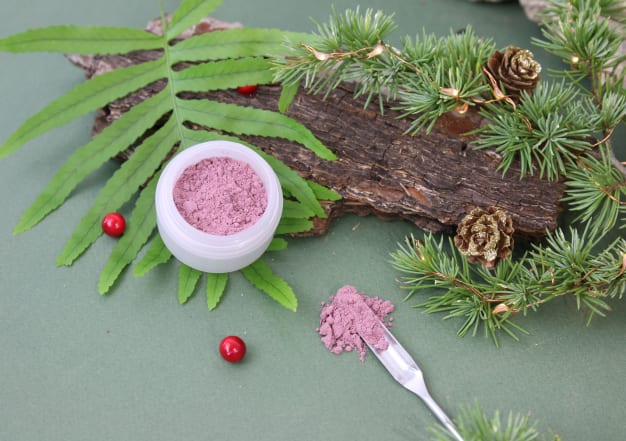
[[485, 236], [515, 69]]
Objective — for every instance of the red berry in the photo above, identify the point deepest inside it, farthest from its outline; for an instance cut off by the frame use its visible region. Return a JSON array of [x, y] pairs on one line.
[[232, 349], [114, 224], [247, 90]]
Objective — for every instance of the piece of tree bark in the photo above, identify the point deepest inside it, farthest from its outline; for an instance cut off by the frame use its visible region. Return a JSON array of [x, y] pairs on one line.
[[432, 179]]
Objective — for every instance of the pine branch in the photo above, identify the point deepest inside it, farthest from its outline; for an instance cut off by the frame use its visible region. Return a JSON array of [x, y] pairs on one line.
[[429, 76], [555, 130], [597, 190], [474, 424], [567, 265], [549, 130]]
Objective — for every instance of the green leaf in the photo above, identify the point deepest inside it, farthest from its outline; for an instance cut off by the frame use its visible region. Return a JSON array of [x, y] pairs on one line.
[[296, 210], [124, 183], [188, 14], [86, 159], [293, 183], [240, 56], [292, 226], [226, 74], [232, 43], [323, 193], [287, 94], [261, 276], [156, 255], [277, 244], [84, 98], [250, 121], [141, 225], [81, 40], [215, 287], [187, 280]]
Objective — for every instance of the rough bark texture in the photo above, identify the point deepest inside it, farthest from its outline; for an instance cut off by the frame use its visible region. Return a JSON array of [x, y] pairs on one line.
[[432, 179]]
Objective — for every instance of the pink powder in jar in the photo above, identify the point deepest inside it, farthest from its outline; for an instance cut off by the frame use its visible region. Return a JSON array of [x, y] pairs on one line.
[[350, 315], [220, 195]]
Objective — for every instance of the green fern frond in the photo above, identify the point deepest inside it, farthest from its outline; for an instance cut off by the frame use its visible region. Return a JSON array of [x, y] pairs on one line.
[[81, 40], [239, 120], [226, 74], [84, 98], [261, 276], [157, 254], [215, 287], [188, 279], [234, 43], [212, 61], [188, 14], [88, 158], [119, 189], [278, 244], [141, 225]]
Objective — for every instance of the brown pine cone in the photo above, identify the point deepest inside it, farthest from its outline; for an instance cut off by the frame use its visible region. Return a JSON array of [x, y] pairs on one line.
[[515, 69], [485, 236]]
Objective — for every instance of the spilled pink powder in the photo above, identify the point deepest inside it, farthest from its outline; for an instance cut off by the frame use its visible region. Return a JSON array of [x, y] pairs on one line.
[[220, 195], [349, 318]]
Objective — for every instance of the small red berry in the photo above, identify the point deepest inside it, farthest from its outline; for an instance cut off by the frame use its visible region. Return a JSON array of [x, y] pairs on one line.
[[247, 90], [114, 224], [232, 349]]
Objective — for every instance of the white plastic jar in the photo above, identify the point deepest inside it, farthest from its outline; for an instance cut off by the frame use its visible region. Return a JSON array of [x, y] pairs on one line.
[[209, 252]]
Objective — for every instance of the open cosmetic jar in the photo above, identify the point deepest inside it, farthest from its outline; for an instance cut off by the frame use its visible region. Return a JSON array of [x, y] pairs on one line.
[[214, 253]]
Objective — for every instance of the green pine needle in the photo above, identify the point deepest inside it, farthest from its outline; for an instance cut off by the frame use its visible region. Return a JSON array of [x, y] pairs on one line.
[[567, 265], [581, 35], [597, 191], [473, 424], [546, 132]]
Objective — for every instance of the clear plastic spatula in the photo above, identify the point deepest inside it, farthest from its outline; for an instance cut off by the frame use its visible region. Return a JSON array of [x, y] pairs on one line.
[[406, 372]]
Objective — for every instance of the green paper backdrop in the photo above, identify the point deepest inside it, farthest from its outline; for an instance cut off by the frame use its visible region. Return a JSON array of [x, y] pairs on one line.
[[134, 365]]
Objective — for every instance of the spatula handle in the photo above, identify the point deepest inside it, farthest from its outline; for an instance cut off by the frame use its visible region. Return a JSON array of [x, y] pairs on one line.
[[441, 415]]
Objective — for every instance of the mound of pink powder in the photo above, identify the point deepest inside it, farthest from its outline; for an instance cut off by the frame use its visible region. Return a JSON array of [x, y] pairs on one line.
[[350, 317], [220, 195]]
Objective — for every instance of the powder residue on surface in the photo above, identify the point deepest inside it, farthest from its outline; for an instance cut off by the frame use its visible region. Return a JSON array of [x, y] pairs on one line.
[[220, 195], [350, 317]]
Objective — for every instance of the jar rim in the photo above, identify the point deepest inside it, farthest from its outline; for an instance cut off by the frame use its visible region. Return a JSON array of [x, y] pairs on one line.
[[192, 245]]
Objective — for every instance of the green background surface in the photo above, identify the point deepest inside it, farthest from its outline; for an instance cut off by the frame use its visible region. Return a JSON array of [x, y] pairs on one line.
[[135, 365]]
